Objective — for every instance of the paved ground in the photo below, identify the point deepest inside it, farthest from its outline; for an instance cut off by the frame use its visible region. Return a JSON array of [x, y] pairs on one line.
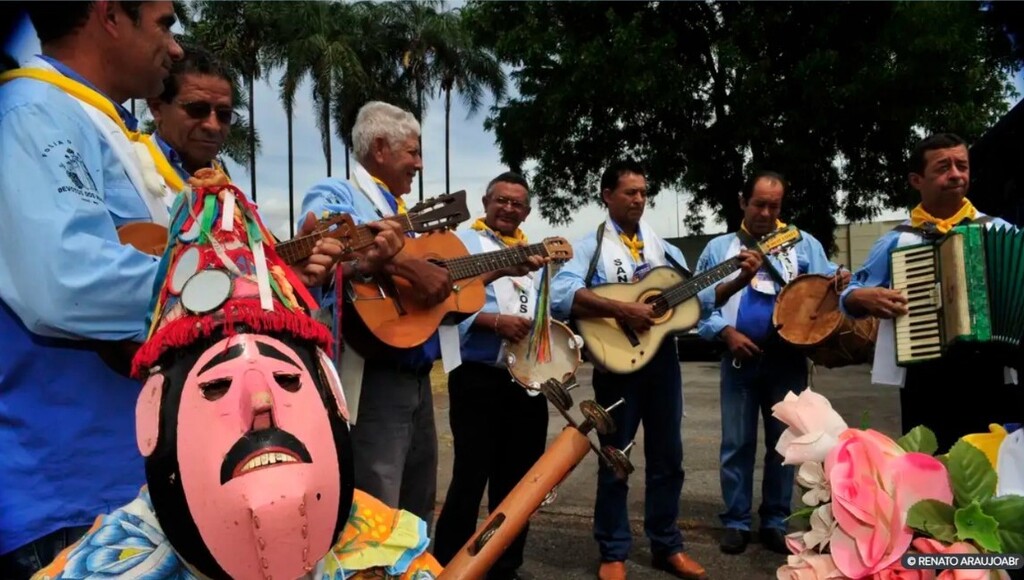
[[560, 545]]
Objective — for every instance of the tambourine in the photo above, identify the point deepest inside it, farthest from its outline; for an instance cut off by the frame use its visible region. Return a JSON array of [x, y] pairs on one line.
[[566, 356]]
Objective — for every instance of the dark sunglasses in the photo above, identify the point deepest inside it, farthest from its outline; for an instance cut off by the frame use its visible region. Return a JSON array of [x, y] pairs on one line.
[[201, 110]]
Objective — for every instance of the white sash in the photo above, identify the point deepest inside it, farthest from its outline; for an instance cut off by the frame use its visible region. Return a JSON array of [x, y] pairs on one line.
[[765, 284], [884, 370], [618, 260], [516, 296], [149, 185], [362, 179]]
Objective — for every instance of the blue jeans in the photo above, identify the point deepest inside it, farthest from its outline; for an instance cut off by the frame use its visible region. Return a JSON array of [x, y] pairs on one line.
[[755, 387], [25, 561], [653, 396]]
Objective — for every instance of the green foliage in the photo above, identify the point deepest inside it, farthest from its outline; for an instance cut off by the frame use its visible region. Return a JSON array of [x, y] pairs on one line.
[[920, 439], [803, 513], [833, 95], [970, 473], [974, 524], [1009, 512], [934, 518]]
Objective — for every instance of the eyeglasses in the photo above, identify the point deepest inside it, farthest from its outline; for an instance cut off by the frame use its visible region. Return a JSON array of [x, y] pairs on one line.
[[514, 204], [201, 110]]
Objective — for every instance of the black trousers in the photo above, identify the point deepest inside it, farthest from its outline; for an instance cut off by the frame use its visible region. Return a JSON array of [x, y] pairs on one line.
[[959, 395], [499, 433]]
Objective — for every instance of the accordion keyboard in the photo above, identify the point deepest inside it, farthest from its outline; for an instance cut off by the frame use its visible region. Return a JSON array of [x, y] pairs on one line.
[[919, 332]]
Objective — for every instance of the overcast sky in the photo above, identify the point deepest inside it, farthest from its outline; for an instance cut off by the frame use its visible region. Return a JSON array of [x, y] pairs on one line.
[[474, 161]]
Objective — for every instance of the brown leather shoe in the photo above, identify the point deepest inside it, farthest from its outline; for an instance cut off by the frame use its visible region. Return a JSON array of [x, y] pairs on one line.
[[681, 566], [612, 571]]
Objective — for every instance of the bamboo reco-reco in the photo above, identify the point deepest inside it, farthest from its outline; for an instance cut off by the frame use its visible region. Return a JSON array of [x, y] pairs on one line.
[[501, 528]]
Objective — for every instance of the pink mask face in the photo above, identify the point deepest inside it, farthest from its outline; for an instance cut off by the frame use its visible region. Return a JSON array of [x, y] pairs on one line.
[[258, 460]]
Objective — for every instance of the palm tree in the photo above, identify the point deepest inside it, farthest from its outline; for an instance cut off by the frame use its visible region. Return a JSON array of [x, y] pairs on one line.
[[463, 66], [236, 32]]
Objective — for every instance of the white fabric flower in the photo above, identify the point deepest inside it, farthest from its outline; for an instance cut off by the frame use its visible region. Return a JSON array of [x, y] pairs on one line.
[[811, 476], [1010, 465], [813, 427]]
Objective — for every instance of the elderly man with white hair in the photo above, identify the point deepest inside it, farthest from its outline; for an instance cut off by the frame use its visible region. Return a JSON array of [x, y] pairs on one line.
[[388, 389]]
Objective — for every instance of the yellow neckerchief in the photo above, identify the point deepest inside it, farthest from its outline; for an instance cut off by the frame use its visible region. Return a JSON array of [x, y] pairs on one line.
[[635, 245], [919, 217], [398, 200], [517, 239], [103, 104]]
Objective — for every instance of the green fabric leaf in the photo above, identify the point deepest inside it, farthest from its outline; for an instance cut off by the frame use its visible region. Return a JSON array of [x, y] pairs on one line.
[[974, 524], [1009, 512], [802, 513], [934, 518], [920, 439], [971, 474]]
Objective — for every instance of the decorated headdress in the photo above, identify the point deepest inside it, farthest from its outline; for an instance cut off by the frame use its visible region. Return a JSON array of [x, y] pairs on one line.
[[241, 420]]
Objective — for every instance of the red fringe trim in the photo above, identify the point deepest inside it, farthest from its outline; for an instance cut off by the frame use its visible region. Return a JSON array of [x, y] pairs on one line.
[[188, 329]]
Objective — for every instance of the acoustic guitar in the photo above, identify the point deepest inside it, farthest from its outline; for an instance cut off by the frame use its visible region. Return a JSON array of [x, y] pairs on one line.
[[619, 349], [395, 314]]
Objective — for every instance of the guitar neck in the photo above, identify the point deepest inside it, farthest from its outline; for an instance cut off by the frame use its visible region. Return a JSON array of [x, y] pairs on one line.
[[298, 249], [683, 291], [471, 266]]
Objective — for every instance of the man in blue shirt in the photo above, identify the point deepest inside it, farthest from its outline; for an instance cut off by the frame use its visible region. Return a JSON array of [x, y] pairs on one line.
[[193, 114], [624, 248], [759, 368], [933, 392], [66, 419], [499, 430], [389, 394]]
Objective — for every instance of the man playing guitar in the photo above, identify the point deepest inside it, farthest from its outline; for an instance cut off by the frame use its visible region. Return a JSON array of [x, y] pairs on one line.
[[623, 250]]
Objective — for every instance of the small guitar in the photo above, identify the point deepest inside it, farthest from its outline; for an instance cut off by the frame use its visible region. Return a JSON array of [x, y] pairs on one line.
[[619, 349], [394, 313], [442, 212]]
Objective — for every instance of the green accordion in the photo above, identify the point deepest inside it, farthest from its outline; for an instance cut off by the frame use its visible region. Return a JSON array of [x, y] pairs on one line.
[[967, 288]]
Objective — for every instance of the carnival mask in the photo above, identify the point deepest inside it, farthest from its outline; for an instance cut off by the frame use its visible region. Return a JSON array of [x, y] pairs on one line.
[[248, 456]]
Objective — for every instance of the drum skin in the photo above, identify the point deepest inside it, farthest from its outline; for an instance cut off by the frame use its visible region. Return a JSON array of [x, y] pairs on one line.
[[565, 358], [807, 316]]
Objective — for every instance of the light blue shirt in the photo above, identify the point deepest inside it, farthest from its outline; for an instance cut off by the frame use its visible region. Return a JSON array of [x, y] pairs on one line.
[[570, 278], [875, 272], [66, 419], [334, 195], [810, 257], [481, 345]]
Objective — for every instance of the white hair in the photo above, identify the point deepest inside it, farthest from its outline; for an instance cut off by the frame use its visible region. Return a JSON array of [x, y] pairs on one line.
[[379, 119]]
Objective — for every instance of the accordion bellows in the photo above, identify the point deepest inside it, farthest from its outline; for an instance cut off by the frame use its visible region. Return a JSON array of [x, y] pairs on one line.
[[967, 288]]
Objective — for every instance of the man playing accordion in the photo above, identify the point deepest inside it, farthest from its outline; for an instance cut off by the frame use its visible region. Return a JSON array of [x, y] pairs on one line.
[[966, 388]]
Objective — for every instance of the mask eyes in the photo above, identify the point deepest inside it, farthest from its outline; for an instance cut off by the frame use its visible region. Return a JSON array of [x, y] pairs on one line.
[[216, 389], [290, 383]]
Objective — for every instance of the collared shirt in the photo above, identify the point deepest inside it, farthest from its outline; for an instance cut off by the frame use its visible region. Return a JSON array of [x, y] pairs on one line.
[[129, 119], [481, 345], [179, 165], [875, 272], [755, 309], [335, 195], [66, 419], [570, 278]]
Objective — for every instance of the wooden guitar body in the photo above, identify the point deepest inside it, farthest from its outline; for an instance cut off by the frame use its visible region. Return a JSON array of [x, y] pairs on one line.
[[146, 237], [625, 352], [394, 312]]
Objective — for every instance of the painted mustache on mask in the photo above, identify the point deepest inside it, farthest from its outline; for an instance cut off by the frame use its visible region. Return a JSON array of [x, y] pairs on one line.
[[263, 448]]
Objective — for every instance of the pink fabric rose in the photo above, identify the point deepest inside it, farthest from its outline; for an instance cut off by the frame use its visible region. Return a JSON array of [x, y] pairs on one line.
[[898, 572], [813, 427], [874, 483], [808, 566], [931, 546]]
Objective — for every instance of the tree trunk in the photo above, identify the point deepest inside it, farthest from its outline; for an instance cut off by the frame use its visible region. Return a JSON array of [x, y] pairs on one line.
[[447, 131], [419, 107], [348, 160], [291, 181], [327, 135], [252, 140]]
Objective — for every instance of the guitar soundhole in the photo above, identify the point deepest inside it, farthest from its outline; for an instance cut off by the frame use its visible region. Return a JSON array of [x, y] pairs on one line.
[[659, 303]]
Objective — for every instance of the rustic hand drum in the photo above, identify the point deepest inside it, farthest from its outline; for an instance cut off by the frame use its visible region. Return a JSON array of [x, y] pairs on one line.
[[807, 316]]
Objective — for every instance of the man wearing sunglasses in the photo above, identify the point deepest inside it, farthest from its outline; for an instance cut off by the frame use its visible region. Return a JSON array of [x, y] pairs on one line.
[[194, 113]]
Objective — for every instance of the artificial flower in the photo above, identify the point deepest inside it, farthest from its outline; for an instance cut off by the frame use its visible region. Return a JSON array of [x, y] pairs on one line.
[[808, 566], [811, 476], [988, 443], [931, 546], [1010, 465], [812, 427]]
